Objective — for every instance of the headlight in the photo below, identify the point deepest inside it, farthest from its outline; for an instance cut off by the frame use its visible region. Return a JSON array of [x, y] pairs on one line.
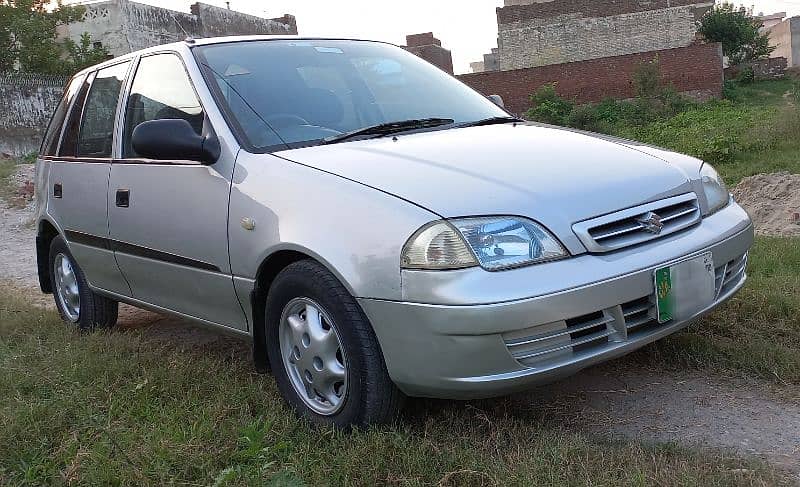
[[494, 243], [717, 194]]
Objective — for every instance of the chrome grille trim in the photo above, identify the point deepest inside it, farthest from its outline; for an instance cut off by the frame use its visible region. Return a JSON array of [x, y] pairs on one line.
[[621, 229]]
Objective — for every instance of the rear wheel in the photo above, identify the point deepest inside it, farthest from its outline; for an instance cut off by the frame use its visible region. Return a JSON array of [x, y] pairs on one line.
[[323, 352], [76, 302]]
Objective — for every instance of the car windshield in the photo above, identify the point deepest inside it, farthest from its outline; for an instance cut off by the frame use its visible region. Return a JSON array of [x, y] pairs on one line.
[[294, 93]]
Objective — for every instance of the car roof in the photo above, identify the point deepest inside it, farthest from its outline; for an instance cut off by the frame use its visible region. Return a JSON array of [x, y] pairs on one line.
[[207, 41]]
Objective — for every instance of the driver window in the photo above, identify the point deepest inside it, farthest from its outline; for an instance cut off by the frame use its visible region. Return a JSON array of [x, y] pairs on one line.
[[161, 90]]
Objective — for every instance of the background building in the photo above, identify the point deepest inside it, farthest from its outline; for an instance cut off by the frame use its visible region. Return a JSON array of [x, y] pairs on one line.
[[123, 26]]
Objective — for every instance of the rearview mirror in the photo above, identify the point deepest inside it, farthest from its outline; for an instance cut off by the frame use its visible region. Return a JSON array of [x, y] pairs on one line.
[[174, 139], [497, 100]]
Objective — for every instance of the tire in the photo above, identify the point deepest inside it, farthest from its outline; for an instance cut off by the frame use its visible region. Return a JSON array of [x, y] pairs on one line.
[[93, 311], [367, 396]]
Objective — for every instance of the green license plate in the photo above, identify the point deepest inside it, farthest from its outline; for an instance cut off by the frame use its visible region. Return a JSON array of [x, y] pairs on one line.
[[685, 288], [664, 295]]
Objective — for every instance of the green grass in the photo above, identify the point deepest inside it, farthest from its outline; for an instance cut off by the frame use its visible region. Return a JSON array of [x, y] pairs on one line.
[[127, 408], [757, 333], [758, 132]]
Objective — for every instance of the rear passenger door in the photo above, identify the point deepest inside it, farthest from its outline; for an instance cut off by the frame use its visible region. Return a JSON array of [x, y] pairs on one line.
[[78, 178], [169, 218]]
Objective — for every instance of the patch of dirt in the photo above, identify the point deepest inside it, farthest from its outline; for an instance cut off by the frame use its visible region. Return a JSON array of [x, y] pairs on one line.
[[17, 254], [773, 201], [620, 400], [615, 399]]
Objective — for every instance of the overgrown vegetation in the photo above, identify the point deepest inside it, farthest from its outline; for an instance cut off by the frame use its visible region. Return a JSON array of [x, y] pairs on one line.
[[127, 408], [738, 31], [758, 331], [29, 41], [755, 129]]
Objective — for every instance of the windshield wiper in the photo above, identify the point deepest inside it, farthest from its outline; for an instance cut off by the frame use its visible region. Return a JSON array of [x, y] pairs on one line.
[[390, 128], [490, 121]]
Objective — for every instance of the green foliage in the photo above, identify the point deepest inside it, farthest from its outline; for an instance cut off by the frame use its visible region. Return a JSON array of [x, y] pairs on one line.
[[738, 31], [85, 53], [29, 40], [653, 102], [647, 79], [549, 107], [795, 90], [746, 76]]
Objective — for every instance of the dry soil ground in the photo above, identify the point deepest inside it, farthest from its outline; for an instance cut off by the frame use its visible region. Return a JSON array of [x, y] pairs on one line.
[[616, 399]]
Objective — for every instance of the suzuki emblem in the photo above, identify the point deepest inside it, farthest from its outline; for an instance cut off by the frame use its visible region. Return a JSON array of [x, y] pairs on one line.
[[651, 222]]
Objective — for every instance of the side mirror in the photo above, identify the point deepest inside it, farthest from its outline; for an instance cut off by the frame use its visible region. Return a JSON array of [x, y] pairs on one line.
[[497, 100], [174, 139]]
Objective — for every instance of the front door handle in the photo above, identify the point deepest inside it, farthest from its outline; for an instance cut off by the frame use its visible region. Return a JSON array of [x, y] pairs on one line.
[[123, 198]]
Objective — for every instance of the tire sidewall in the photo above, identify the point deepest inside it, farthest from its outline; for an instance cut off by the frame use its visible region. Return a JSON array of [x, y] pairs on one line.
[[291, 285]]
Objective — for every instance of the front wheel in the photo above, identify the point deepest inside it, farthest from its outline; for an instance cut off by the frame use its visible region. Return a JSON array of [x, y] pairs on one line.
[[323, 352], [76, 302]]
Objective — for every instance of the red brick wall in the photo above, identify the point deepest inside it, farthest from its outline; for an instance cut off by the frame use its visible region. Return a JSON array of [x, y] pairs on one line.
[[696, 69], [430, 49]]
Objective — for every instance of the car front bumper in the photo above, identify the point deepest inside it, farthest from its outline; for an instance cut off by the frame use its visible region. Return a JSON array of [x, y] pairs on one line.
[[458, 350]]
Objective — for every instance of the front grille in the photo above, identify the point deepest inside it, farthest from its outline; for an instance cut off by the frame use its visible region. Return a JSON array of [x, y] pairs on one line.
[[626, 228]]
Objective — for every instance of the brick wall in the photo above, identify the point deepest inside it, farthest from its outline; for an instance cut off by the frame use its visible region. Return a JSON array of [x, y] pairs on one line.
[[695, 70], [558, 32], [763, 69], [430, 49]]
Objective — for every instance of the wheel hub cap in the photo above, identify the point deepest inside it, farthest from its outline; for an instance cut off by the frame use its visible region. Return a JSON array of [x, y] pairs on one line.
[[313, 357], [67, 287]]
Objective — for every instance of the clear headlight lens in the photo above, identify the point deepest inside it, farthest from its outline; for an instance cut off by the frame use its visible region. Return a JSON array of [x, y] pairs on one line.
[[495, 243], [714, 187]]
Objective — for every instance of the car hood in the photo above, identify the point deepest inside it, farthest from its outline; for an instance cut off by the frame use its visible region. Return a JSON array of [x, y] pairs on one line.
[[554, 176]]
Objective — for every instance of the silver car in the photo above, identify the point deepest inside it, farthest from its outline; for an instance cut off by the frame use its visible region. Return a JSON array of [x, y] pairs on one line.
[[376, 227]]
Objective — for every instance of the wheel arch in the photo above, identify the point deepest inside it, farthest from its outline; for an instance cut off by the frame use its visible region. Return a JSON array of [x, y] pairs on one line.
[[268, 270], [45, 233]]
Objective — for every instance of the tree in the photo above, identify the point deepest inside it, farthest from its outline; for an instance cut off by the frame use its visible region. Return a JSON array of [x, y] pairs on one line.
[[29, 38], [738, 31]]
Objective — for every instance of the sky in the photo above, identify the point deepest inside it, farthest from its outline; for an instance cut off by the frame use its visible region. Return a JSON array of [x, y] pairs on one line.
[[467, 27]]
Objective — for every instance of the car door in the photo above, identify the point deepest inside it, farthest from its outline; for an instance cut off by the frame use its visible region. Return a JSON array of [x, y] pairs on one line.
[[79, 172], [168, 218]]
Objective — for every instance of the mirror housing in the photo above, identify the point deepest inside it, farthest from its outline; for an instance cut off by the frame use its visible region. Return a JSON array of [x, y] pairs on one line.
[[497, 100], [174, 139]]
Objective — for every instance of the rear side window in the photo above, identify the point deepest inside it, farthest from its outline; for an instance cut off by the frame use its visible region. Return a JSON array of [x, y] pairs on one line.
[[69, 141], [161, 90], [96, 137], [53, 136]]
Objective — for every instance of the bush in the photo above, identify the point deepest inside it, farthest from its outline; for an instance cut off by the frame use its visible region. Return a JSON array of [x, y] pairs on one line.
[[549, 107], [746, 75], [796, 90], [589, 118]]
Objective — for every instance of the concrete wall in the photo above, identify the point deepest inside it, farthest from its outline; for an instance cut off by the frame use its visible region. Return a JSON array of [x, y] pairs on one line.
[[543, 32], [26, 104], [695, 70], [123, 26], [786, 37]]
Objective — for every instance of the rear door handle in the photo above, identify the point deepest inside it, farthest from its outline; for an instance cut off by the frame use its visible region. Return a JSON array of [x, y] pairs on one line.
[[57, 190], [123, 198]]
